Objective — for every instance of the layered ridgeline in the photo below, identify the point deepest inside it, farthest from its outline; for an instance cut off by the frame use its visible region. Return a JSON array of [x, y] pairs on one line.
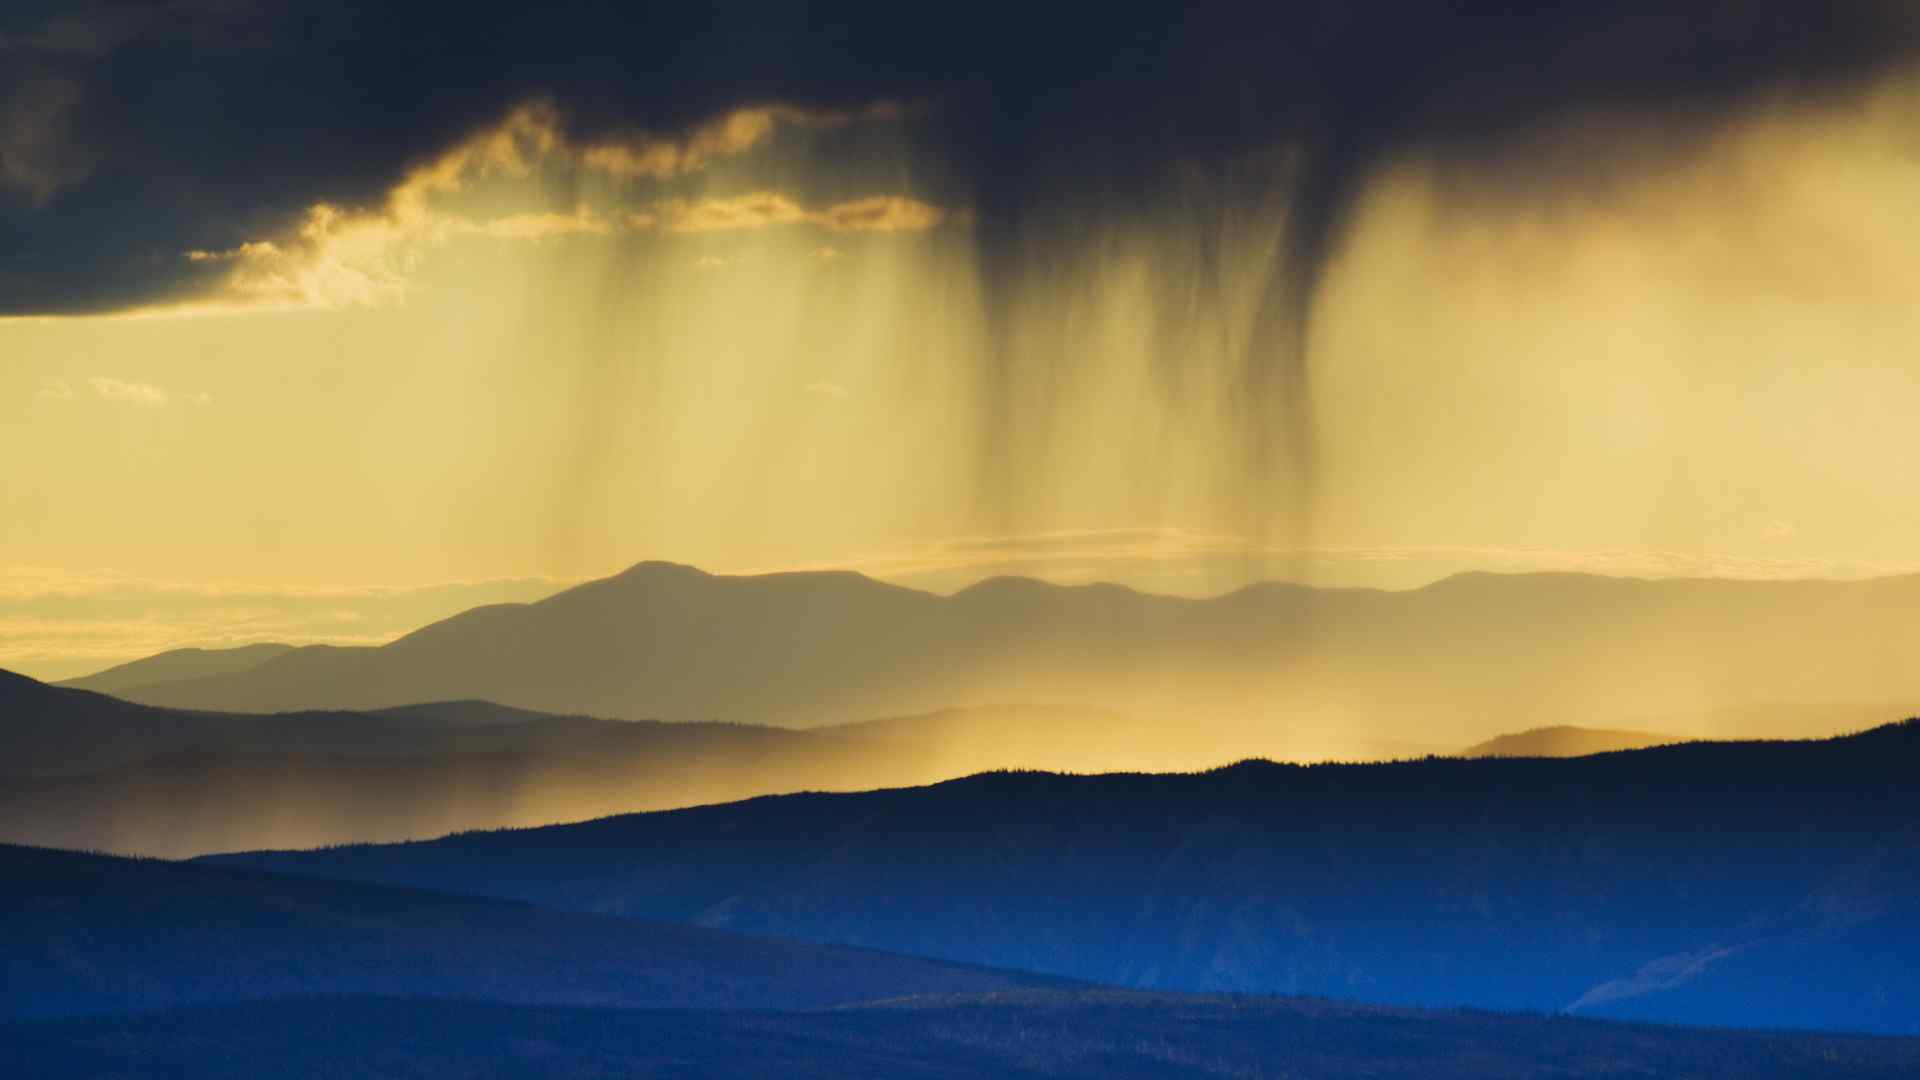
[[177, 664], [1746, 884], [1272, 670], [86, 771]]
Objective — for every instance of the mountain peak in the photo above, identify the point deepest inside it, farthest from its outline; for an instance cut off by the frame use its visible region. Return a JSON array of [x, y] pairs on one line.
[[1007, 585], [660, 568]]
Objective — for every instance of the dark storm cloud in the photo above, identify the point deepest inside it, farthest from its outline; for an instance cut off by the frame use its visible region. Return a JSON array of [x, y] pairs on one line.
[[131, 134]]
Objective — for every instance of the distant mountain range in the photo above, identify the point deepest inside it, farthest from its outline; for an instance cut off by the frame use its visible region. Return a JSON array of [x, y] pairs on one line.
[[1272, 670], [176, 665], [1016, 1035], [1748, 884]]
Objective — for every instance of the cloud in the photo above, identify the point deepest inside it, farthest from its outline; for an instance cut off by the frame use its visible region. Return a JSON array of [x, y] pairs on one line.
[[758, 210], [642, 155], [880, 213], [823, 389], [89, 32], [1779, 530], [767, 209], [581, 221], [37, 148], [340, 257], [124, 390], [1079, 116], [138, 393]]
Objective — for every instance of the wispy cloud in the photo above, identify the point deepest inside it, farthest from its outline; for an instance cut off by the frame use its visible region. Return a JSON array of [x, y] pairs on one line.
[[37, 151], [769, 209], [881, 213], [759, 210], [121, 390], [644, 155], [542, 226]]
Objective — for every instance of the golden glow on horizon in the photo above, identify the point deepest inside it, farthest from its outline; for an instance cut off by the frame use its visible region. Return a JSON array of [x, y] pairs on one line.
[[539, 358]]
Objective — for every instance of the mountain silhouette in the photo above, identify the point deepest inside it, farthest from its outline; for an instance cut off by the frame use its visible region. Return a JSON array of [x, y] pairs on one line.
[[1566, 742], [1087, 1035], [175, 665], [91, 934], [53, 731], [1274, 670], [1752, 884], [87, 771]]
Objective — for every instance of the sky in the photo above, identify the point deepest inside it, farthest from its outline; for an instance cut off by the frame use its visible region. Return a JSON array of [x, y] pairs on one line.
[[317, 323]]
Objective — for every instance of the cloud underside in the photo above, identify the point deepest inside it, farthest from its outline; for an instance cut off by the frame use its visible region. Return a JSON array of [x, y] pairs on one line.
[[344, 257], [131, 130]]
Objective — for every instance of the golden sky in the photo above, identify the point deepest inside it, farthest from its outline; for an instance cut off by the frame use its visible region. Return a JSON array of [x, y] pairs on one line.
[[537, 361]]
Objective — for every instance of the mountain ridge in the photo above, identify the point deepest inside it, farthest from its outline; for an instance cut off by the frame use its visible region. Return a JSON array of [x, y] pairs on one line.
[[1309, 665], [1696, 883], [86, 770]]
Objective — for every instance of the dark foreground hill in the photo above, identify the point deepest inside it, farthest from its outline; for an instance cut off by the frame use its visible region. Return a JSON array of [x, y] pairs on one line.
[[1746, 884], [1089, 1034], [87, 934], [1272, 670]]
